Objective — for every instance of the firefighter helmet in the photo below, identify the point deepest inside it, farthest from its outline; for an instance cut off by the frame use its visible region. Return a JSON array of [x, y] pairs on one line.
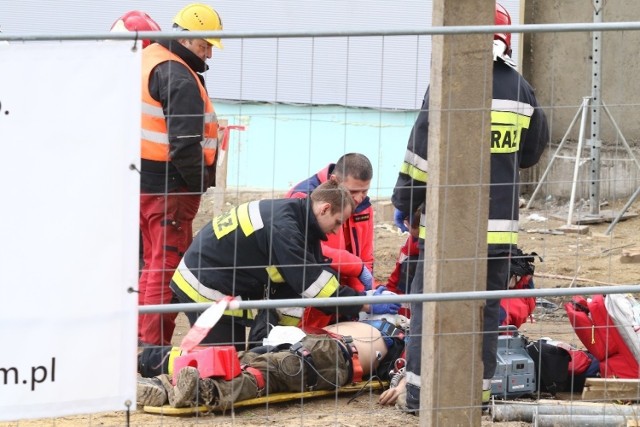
[[200, 17], [503, 18], [136, 20]]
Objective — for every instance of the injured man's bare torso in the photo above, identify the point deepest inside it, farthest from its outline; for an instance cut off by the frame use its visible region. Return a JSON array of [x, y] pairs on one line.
[[367, 339]]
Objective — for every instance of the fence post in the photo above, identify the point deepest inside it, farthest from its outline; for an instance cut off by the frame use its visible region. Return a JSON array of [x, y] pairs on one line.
[[457, 212]]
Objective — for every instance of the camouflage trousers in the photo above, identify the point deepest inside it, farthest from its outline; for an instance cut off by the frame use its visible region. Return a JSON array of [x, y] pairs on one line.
[[283, 371]]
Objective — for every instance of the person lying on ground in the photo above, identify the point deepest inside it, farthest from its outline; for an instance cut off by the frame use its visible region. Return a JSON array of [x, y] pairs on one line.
[[323, 359]]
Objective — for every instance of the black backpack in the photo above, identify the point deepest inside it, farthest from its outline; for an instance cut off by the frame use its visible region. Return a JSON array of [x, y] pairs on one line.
[[552, 365]]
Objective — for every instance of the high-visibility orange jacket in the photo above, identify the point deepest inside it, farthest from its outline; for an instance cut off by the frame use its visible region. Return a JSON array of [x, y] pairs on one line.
[[179, 125]]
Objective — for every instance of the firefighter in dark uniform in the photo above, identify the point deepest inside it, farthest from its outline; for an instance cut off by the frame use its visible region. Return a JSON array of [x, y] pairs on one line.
[[519, 135], [266, 249], [263, 249]]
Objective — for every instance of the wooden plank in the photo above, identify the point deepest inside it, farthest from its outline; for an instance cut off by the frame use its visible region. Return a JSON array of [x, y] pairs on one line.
[[611, 389], [571, 228]]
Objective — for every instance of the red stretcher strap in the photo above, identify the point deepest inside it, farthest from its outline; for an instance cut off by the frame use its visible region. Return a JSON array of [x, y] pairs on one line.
[[260, 383]]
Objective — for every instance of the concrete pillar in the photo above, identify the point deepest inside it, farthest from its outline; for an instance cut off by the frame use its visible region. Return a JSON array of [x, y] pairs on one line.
[[457, 212]]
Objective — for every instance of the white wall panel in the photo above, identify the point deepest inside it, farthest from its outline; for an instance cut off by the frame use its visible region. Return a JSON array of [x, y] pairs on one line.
[[381, 72]]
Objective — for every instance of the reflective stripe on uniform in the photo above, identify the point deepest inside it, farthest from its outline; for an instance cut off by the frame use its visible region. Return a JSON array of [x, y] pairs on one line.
[[502, 231], [174, 353], [274, 274], [210, 143], [210, 117], [243, 219], [190, 285], [413, 379], [512, 106], [156, 137], [197, 292], [502, 225], [290, 316], [152, 110], [254, 215], [502, 238], [415, 160], [249, 217], [422, 232], [414, 166], [323, 287]]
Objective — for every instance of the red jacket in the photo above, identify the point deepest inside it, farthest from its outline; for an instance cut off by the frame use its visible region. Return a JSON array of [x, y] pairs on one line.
[[400, 278], [518, 310], [352, 246]]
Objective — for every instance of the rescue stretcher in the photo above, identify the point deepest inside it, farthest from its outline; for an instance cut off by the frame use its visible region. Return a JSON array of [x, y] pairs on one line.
[[272, 398], [228, 360]]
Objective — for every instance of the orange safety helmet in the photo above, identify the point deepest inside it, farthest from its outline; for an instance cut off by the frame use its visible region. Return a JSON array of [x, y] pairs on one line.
[[136, 20], [503, 18]]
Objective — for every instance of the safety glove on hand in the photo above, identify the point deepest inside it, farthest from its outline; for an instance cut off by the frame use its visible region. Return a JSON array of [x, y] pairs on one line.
[[366, 278], [398, 218], [385, 308]]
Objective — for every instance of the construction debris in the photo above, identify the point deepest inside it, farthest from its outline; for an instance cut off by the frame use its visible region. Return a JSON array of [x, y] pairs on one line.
[[630, 255], [572, 228], [545, 231]]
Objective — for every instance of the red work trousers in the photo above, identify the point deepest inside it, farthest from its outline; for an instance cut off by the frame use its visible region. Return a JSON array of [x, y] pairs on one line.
[[166, 226]]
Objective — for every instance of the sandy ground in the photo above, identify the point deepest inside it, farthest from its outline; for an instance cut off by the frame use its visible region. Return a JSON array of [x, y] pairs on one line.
[[570, 259]]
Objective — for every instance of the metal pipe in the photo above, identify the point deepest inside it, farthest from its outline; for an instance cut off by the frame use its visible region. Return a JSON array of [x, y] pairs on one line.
[[583, 120], [632, 199], [528, 412], [555, 155], [635, 195], [582, 420], [432, 297], [596, 101], [454, 29], [620, 134]]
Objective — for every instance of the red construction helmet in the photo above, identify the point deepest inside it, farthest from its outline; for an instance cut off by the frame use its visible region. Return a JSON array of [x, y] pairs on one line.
[[136, 20], [503, 18]]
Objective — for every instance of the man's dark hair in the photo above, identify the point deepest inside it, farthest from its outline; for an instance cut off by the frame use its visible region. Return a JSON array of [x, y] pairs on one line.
[[354, 165], [335, 194]]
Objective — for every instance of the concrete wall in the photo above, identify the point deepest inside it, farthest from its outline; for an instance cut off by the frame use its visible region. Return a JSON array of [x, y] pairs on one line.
[[559, 67], [284, 144]]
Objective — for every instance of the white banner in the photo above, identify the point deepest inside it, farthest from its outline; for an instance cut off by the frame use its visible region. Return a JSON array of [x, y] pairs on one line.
[[69, 132]]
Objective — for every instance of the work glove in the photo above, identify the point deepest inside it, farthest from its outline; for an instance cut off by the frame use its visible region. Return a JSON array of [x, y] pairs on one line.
[[398, 218], [366, 278], [387, 308]]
